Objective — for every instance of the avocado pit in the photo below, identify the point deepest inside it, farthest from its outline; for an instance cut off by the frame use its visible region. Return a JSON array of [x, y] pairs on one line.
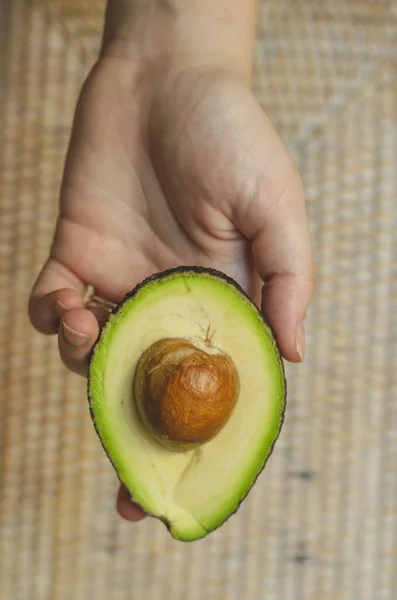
[[185, 392]]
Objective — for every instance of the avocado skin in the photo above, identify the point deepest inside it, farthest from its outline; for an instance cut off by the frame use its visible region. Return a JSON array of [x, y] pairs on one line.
[[185, 270]]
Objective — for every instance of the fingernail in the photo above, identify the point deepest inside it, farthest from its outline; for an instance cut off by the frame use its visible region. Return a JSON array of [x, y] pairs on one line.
[[300, 341], [73, 337], [60, 307]]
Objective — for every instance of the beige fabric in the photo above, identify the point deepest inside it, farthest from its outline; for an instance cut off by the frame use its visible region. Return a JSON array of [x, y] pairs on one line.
[[321, 523]]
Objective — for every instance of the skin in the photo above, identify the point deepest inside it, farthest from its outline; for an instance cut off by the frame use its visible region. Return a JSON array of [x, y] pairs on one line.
[[172, 162]]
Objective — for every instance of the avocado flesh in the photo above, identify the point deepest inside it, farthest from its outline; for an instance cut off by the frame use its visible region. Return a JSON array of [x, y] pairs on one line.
[[196, 491]]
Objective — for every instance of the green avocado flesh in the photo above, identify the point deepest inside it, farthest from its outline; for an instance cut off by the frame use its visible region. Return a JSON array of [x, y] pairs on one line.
[[195, 491]]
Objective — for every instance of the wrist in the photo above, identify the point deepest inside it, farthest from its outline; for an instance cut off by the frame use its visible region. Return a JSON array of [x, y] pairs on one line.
[[217, 34]]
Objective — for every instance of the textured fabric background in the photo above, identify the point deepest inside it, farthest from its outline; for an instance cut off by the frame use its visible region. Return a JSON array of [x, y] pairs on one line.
[[321, 523]]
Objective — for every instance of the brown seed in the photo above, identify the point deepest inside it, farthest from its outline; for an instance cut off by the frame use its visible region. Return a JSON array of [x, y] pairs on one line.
[[184, 394]]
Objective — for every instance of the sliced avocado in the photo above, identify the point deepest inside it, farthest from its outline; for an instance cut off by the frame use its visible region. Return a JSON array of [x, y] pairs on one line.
[[196, 487]]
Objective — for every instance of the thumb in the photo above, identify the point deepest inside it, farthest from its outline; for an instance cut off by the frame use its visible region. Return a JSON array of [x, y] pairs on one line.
[[274, 220], [284, 261]]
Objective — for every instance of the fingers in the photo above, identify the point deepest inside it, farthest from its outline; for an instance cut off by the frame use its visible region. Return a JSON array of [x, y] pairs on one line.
[[127, 509], [56, 290], [57, 306]]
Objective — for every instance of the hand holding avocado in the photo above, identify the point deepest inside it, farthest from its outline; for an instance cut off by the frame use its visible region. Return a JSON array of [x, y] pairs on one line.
[[172, 162]]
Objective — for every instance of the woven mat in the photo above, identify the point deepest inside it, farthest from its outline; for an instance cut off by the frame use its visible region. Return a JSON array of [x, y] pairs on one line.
[[321, 523]]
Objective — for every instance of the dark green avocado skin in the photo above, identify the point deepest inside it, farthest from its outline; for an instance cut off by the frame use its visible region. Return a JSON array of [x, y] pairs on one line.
[[185, 270]]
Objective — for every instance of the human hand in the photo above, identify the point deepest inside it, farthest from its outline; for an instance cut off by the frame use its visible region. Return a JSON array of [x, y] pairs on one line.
[[172, 162]]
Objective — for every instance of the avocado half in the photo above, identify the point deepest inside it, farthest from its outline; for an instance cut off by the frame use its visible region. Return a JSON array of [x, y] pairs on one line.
[[192, 492]]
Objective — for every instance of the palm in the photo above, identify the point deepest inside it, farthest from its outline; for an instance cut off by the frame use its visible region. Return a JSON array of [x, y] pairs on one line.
[[135, 197], [191, 172]]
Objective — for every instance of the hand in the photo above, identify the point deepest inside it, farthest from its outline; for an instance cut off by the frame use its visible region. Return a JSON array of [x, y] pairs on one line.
[[176, 167]]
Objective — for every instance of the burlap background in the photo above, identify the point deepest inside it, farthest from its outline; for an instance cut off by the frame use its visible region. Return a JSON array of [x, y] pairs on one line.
[[321, 523]]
